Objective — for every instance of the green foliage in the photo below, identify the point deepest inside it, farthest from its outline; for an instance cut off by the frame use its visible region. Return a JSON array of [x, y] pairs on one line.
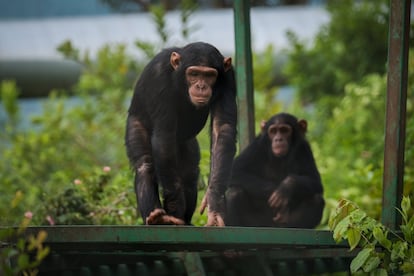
[[349, 144], [383, 251], [187, 8], [111, 69], [352, 45], [100, 197], [265, 90], [158, 12], [8, 96], [347, 111], [158, 16], [20, 254], [73, 139]]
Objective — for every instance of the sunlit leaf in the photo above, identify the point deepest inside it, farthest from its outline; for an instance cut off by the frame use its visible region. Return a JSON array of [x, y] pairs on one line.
[[42, 253], [342, 211], [357, 215], [17, 199], [341, 229], [354, 236], [405, 204]]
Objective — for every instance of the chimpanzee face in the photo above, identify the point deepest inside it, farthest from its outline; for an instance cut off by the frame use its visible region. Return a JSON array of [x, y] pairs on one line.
[[200, 78], [200, 81], [280, 135]]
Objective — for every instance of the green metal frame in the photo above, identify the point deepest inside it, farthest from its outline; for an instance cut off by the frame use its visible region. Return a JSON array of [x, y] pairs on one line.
[[192, 238], [244, 72], [174, 250], [398, 42]]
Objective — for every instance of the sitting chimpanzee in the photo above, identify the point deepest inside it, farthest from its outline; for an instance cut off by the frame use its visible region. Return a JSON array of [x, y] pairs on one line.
[[275, 181], [172, 100]]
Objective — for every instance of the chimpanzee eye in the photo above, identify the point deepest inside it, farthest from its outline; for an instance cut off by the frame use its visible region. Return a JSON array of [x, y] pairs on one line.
[[211, 75], [285, 129], [272, 130]]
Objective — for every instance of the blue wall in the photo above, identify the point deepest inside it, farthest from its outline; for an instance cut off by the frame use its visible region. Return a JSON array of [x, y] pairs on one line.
[[26, 9]]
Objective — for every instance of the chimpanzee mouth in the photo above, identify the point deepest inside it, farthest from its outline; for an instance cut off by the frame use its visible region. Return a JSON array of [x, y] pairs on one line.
[[200, 101]]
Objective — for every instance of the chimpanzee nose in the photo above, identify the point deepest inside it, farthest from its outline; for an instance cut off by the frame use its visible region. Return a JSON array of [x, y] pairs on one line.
[[201, 86]]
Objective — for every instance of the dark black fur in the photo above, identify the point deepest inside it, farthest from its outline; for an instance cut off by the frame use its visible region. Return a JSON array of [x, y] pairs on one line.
[[161, 128], [257, 173]]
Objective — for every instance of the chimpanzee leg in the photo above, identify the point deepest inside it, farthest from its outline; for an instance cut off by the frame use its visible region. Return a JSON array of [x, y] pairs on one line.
[[189, 159], [139, 154], [307, 215], [183, 203], [234, 205], [245, 210]]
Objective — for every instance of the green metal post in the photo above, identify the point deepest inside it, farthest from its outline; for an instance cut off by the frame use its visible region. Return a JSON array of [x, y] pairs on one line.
[[244, 72], [398, 43]]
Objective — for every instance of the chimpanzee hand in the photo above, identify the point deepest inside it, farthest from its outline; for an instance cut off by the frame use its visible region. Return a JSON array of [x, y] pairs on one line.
[[280, 199], [213, 218]]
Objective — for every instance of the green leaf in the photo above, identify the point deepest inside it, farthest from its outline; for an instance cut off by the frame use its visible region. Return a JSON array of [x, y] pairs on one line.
[[405, 207], [407, 232], [23, 261], [360, 259], [408, 267], [399, 250], [379, 272], [381, 237], [354, 236], [341, 229], [405, 204], [358, 215], [371, 264], [21, 243], [42, 253], [345, 207]]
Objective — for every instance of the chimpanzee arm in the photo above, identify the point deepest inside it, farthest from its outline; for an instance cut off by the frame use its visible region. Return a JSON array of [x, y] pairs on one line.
[[163, 142], [306, 173], [303, 181], [223, 144]]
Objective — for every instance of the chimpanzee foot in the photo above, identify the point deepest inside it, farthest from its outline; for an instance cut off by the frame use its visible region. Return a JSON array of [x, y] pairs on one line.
[[159, 216]]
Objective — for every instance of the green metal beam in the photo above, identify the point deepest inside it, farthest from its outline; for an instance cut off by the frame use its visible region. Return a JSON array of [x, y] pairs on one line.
[[182, 238], [244, 72], [398, 43]]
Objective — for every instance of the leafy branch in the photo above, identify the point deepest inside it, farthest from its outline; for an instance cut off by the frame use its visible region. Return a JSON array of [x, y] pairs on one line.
[[383, 251]]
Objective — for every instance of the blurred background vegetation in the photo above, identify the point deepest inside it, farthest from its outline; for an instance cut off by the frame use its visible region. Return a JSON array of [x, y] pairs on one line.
[[71, 167]]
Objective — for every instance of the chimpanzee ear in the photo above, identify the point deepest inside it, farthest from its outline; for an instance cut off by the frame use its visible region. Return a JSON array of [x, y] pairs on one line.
[[263, 125], [303, 126], [175, 60], [227, 64]]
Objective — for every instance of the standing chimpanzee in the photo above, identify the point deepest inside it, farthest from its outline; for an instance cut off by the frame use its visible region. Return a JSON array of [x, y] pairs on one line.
[[172, 100], [275, 181]]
